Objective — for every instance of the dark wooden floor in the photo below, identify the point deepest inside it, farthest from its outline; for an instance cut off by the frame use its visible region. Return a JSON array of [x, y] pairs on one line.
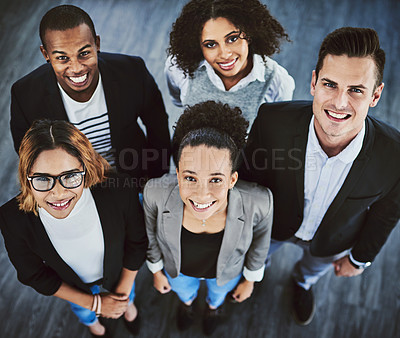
[[365, 306]]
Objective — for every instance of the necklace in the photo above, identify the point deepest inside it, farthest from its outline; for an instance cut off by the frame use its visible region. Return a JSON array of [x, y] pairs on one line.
[[203, 221]]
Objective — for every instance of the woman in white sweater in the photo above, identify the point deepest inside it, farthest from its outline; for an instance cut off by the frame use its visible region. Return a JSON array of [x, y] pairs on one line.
[[220, 51]]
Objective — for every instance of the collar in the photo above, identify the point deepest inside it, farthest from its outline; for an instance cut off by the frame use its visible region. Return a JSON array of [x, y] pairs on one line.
[[347, 155]]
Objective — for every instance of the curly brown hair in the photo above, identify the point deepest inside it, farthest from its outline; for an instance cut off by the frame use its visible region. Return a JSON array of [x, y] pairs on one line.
[[211, 124], [251, 17]]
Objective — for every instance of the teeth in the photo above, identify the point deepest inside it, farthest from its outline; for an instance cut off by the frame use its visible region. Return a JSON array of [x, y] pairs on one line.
[[60, 204], [227, 64], [337, 116], [202, 206], [78, 79]]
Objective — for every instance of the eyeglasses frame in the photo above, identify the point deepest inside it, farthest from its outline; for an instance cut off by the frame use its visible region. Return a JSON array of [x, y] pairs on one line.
[[57, 178]]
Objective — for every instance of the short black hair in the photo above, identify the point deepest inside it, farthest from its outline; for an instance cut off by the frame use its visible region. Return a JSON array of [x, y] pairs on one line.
[[64, 17], [211, 124], [353, 42]]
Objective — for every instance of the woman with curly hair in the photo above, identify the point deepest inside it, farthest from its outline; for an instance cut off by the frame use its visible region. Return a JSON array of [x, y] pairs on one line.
[[202, 223], [75, 226], [220, 50]]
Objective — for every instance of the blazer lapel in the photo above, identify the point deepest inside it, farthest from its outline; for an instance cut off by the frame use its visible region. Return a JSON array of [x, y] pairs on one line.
[[233, 229], [354, 175], [111, 92], [54, 103], [171, 225], [47, 249], [300, 143], [107, 221]]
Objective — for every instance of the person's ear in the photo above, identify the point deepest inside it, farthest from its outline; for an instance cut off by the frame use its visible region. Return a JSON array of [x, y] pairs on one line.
[[376, 95], [98, 43], [234, 178], [313, 82], [44, 53]]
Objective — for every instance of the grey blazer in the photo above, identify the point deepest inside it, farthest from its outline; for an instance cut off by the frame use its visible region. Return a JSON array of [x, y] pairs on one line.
[[247, 231]]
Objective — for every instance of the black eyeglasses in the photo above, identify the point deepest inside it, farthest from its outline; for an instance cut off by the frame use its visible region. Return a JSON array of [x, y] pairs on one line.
[[47, 182]]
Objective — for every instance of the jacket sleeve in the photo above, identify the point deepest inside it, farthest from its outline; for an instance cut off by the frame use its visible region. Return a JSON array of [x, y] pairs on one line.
[[31, 269], [155, 119], [135, 239], [258, 251], [18, 124], [154, 256], [381, 220]]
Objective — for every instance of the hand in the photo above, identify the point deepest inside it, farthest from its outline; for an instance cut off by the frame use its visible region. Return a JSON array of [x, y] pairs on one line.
[[343, 268], [243, 291], [113, 305], [161, 282]]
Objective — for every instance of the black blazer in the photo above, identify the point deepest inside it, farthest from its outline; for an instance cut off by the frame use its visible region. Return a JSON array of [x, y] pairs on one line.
[[38, 263], [366, 208], [130, 93]]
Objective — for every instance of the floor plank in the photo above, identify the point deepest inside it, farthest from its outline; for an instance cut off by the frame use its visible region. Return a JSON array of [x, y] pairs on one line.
[[364, 306]]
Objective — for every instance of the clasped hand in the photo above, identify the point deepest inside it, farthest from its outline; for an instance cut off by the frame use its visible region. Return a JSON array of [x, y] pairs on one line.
[[113, 305], [343, 268]]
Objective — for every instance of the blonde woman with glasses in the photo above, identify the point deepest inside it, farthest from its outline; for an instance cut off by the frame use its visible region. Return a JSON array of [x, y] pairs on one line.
[[75, 227]]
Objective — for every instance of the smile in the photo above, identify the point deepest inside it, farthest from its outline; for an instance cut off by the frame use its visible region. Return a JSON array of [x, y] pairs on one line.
[[200, 206], [60, 205], [337, 116], [78, 80], [227, 65]]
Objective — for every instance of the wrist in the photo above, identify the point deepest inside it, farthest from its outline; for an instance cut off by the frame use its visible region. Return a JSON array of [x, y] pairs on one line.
[[247, 282], [96, 305], [356, 264]]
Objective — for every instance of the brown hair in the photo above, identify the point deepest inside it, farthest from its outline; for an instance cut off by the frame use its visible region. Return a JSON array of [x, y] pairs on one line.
[[49, 135], [353, 42]]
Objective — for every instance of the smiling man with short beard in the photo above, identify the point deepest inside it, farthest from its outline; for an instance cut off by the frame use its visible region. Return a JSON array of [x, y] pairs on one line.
[[325, 162]]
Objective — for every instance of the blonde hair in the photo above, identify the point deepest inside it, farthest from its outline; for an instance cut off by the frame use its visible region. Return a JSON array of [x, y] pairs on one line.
[[48, 135]]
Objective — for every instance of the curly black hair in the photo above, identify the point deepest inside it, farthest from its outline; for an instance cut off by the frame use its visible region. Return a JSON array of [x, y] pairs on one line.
[[251, 17], [214, 125]]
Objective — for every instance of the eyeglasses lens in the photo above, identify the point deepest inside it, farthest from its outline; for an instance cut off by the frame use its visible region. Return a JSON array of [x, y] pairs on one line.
[[72, 180], [69, 181]]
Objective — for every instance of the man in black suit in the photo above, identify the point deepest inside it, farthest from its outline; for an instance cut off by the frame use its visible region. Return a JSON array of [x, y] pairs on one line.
[[102, 94], [326, 162]]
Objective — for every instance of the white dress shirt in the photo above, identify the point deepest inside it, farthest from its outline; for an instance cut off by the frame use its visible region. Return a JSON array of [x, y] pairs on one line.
[[323, 178]]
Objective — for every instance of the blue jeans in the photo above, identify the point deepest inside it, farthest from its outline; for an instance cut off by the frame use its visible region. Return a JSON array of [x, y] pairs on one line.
[[309, 269], [186, 288], [88, 317]]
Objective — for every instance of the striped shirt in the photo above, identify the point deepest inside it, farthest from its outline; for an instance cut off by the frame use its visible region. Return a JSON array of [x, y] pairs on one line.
[[91, 118]]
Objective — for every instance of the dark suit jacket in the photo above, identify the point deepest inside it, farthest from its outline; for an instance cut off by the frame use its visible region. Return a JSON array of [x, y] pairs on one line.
[[366, 208], [130, 93], [38, 263]]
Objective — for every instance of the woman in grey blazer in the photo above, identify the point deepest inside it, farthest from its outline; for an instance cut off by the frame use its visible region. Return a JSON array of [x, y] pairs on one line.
[[202, 223]]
